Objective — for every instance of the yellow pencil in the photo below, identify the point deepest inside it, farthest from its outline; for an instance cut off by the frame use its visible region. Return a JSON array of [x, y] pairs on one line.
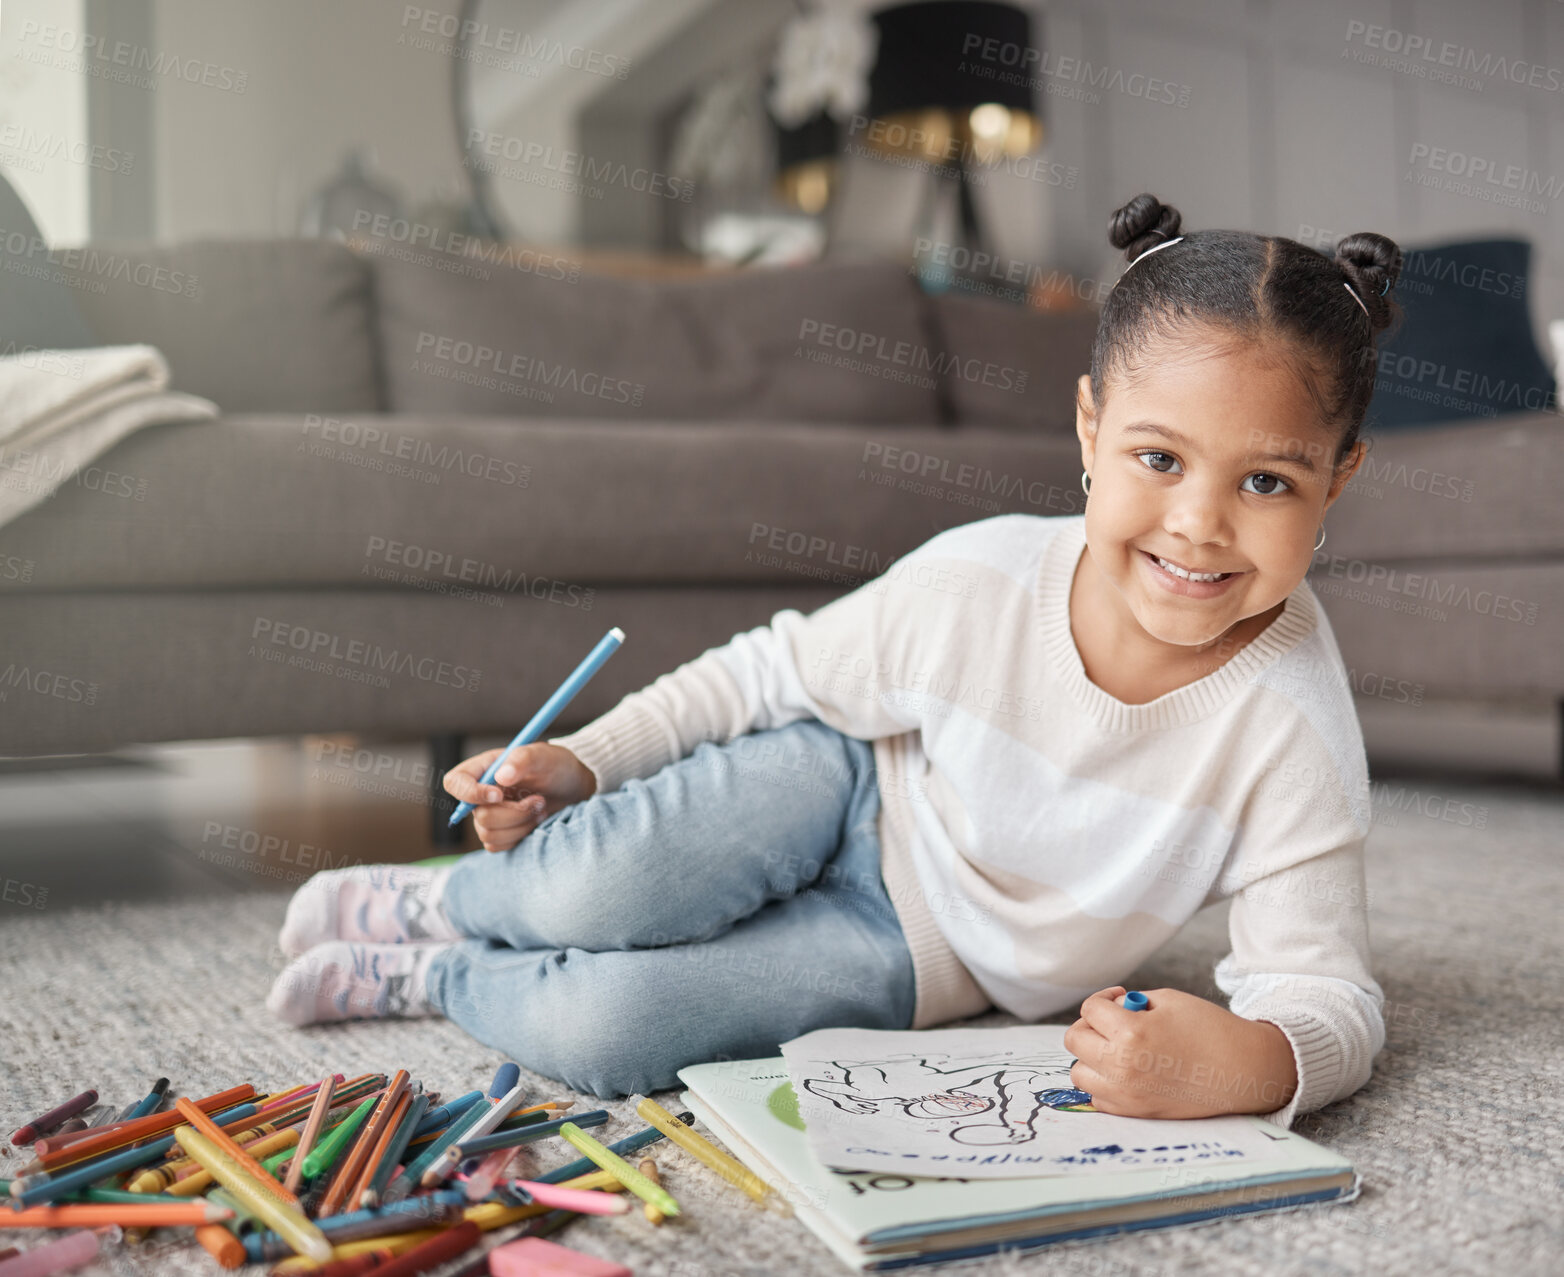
[[619, 1169], [289, 1222], [703, 1150]]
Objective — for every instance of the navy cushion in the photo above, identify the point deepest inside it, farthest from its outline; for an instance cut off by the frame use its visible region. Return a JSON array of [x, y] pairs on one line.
[[37, 309], [1466, 347]]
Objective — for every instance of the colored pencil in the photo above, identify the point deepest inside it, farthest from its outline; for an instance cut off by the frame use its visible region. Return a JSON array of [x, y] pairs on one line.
[[412, 1174], [630, 1144], [377, 1155], [476, 1147], [415, 1213], [285, 1218], [33, 1190], [312, 1127], [89, 1214], [142, 1128], [395, 1151], [347, 1175], [449, 1160]]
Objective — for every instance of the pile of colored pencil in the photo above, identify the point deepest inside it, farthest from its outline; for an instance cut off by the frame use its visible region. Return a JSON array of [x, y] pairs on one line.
[[372, 1174]]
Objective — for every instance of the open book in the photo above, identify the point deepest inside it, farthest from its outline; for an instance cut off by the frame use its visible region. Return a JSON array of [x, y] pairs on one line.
[[879, 1220]]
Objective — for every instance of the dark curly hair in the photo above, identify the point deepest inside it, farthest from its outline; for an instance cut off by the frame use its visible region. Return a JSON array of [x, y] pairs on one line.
[[1258, 286]]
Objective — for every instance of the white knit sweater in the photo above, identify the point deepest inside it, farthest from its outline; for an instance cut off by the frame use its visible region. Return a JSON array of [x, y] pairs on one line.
[[1041, 838]]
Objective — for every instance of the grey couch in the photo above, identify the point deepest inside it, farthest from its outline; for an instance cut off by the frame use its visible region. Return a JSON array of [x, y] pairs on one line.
[[437, 481]]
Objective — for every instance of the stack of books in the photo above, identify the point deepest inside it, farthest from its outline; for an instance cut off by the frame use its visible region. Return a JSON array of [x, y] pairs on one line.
[[877, 1222]]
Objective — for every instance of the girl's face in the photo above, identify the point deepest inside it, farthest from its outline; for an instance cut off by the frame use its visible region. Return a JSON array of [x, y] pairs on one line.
[[1212, 459]]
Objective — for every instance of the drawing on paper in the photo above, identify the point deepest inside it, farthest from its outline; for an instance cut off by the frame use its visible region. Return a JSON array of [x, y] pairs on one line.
[[984, 1101]]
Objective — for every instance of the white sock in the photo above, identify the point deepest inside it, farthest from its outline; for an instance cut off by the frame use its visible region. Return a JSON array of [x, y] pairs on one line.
[[373, 904], [345, 980]]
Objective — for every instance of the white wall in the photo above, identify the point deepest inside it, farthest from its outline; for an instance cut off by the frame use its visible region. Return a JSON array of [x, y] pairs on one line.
[[1287, 129], [43, 114], [320, 77]]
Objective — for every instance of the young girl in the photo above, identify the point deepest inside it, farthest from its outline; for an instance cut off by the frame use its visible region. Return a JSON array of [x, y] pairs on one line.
[[1001, 775]]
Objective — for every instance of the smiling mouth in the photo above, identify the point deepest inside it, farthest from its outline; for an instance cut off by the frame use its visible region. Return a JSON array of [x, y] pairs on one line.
[[1167, 565]]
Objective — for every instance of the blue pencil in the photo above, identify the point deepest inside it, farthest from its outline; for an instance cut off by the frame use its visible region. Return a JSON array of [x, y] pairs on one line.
[[582, 674], [438, 1119], [527, 1134]]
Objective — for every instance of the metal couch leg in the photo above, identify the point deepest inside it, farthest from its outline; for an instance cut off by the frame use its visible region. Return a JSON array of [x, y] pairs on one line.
[[445, 751]]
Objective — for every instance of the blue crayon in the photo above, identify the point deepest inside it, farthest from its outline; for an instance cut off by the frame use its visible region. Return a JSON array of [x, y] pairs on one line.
[[46, 1187], [1135, 1001], [154, 1097]]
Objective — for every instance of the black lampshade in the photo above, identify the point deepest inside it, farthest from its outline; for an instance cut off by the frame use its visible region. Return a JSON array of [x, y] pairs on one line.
[[946, 54]]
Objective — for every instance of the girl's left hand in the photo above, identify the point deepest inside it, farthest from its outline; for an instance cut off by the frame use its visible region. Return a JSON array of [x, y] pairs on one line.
[[1181, 1057]]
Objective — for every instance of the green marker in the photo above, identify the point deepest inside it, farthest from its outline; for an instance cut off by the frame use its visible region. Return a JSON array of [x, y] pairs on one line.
[[330, 1148]]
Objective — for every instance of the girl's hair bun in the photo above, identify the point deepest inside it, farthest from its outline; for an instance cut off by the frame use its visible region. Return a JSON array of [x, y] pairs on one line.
[[1371, 264], [1143, 223]]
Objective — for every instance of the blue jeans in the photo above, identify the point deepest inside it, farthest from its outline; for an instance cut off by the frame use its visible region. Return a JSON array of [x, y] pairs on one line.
[[727, 903]]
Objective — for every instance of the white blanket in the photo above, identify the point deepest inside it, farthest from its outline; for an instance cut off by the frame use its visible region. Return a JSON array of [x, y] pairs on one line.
[[59, 409]]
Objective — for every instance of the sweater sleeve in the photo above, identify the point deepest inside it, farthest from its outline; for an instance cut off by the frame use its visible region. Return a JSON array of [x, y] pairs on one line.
[[1300, 960], [844, 664]]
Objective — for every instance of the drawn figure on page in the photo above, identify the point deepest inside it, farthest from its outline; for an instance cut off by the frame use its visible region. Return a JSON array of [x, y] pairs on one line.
[[1007, 1094]]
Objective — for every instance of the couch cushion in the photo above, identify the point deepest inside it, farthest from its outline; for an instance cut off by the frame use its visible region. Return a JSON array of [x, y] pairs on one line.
[[1465, 346], [806, 343], [461, 503], [254, 325], [1478, 489], [1010, 367]]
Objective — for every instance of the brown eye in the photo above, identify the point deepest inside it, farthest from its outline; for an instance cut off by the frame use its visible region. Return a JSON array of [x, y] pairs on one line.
[[1277, 484], [1156, 459]]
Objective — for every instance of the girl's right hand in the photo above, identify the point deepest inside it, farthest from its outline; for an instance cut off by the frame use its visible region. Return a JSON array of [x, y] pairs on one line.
[[536, 781]]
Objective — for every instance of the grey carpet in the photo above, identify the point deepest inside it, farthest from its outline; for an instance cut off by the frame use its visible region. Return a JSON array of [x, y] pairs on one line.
[[1457, 1136]]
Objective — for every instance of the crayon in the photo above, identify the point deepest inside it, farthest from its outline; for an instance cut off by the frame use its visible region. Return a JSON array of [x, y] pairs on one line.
[[451, 1158], [438, 1119], [630, 1144], [648, 1168], [90, 1214], [620, 1169], [155, 1179], [70, 1126], [327, 1151], [437, 1250], [200, 1180], [149, 1103], [412, 1174], [285, 1218], [142, 1128], [476, 1147], [584, 1201], [221, 1245], [42, 1125], [415, 1213], [71, 1251], [32, 1190], [702, 1149], [199, 1121], [317, 1118], [349, 1173]]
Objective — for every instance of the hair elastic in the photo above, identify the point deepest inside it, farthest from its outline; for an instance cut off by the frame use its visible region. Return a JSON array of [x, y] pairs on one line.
[[1350, 293], [1155, 248]]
